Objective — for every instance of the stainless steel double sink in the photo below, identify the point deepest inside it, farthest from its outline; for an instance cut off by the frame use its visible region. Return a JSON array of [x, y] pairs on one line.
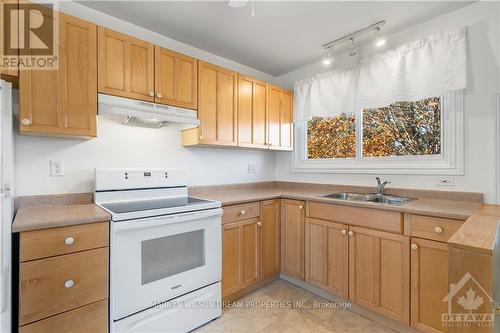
[[368, 197]]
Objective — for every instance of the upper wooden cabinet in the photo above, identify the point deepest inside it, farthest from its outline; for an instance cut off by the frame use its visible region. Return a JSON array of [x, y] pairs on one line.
[[126, 66], [217, 105], [279, 119], [292, 238], [176, 79], [63, 102], [9, 33], [252, 105], [379, 272]]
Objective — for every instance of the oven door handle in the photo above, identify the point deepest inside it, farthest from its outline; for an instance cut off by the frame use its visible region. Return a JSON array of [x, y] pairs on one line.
[[166, 220]]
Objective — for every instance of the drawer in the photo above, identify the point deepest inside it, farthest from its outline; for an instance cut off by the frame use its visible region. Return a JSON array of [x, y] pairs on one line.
[[53, 285], [357, 216], [89, 318], [434, 228], [240, 212], [56, 241]]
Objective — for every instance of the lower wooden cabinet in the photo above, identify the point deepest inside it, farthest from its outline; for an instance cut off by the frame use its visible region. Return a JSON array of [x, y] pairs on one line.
[[269, 238], [292, 238], [239, 255], [379, 272], [327, 260], [429, 284], [88, 318]]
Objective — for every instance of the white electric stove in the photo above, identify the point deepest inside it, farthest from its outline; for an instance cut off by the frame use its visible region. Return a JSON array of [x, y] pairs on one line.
[[165, 260]]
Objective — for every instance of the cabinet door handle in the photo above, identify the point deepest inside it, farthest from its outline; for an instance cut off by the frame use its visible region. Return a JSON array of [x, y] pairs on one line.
[[68, 283], [26, 121], [243, 212], [350, 233], [69, 240], [158, 95], [414, 247], [438, 230], [301, 207], [259, 224], [344, 232], [152, 93], [201, 137]]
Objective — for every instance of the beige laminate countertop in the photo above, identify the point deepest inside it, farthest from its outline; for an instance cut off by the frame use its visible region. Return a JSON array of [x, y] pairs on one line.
[[454, 209], [53, 216]]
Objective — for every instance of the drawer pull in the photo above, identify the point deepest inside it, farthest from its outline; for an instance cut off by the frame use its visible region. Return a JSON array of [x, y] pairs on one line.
[[26, 121], [350, 233], [438, 230], [243, 212], [68, 283], [414, 247], [152, 93], [344, 232], [69, 240]]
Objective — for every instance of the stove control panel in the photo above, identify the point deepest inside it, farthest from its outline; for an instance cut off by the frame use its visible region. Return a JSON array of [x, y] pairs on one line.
[[120, 179]]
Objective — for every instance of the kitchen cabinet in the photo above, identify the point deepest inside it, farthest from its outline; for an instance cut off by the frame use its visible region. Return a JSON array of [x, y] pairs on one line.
[[239, 255], [126, 66], [379, 272], [269, 238], [12, 73], [63, 278], [217, 108], [176, 79], [252, 100], [429, 284], [292, 238], [279, 119], [327, 256], [63, 102]]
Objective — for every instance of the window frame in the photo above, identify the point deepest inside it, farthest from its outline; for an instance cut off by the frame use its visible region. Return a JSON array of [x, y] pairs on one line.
[[449, 162]]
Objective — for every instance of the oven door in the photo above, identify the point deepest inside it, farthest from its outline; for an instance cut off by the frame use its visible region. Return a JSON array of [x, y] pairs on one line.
[[156, 259]]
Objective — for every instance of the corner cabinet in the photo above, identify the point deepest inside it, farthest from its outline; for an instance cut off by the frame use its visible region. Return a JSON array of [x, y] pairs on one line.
[[217, 108], [292, 238], [126, 66], [269, 239], [63, 102]]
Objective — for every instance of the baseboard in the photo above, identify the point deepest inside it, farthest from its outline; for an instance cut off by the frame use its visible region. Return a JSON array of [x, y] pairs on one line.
[[397, 326]]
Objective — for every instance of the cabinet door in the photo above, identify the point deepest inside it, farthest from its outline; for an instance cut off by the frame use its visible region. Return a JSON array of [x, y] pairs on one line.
[[251, 112], [217, 105], [286, 122], [239, 255], [379, 272], [63, 102], [273, 116], [12, 36], [269, 239], [327, 256], [429, 284], [292, 238], [125, 66], [176, 79]]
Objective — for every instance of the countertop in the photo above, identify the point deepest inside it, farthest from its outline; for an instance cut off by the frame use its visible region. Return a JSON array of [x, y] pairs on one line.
[[436, 204], [42, 212]]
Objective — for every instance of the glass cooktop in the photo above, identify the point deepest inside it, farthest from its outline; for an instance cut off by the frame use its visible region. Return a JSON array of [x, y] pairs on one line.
[[145, 205]]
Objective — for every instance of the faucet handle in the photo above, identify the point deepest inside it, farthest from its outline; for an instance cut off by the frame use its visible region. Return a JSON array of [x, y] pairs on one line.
[[379, 182]]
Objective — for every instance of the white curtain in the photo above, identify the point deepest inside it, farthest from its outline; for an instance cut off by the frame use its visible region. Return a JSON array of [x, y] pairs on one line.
[[425, 68]]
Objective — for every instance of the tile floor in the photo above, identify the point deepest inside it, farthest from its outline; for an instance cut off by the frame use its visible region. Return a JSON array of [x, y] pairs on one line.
[[271, 309]]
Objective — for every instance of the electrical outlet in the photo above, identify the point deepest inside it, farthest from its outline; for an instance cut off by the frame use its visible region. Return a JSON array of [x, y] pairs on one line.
[[445, 182], [56, 168], [251, 168]]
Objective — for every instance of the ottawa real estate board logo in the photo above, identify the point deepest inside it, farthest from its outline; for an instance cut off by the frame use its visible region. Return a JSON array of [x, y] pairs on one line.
[[29, 35], [469, 305]]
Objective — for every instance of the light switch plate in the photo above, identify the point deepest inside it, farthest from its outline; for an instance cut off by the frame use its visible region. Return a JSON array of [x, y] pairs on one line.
[[56, 168], [251, 168]]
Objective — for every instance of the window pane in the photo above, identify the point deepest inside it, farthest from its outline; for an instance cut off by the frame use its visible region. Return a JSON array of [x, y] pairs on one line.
[[331, 137], [403, 128]]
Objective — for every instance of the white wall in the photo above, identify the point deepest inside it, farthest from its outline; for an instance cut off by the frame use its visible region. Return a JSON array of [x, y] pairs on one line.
[[125, 146], [483, 22], [118, 146]]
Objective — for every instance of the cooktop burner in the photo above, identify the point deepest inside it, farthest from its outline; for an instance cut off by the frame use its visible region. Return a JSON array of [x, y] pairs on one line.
[[152, 204]]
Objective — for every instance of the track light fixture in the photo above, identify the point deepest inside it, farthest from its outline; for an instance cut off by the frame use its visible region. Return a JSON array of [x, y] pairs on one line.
[[328, 60], [380, 38], [353, 51]]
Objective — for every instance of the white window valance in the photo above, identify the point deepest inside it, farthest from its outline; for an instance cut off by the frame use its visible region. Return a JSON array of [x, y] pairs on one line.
[[425, 68]]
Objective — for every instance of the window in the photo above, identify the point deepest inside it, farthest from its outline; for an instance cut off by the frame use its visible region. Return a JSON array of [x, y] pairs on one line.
[[423, 136]]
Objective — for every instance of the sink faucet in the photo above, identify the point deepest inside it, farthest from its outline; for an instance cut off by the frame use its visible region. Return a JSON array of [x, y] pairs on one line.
[[381, 186]]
